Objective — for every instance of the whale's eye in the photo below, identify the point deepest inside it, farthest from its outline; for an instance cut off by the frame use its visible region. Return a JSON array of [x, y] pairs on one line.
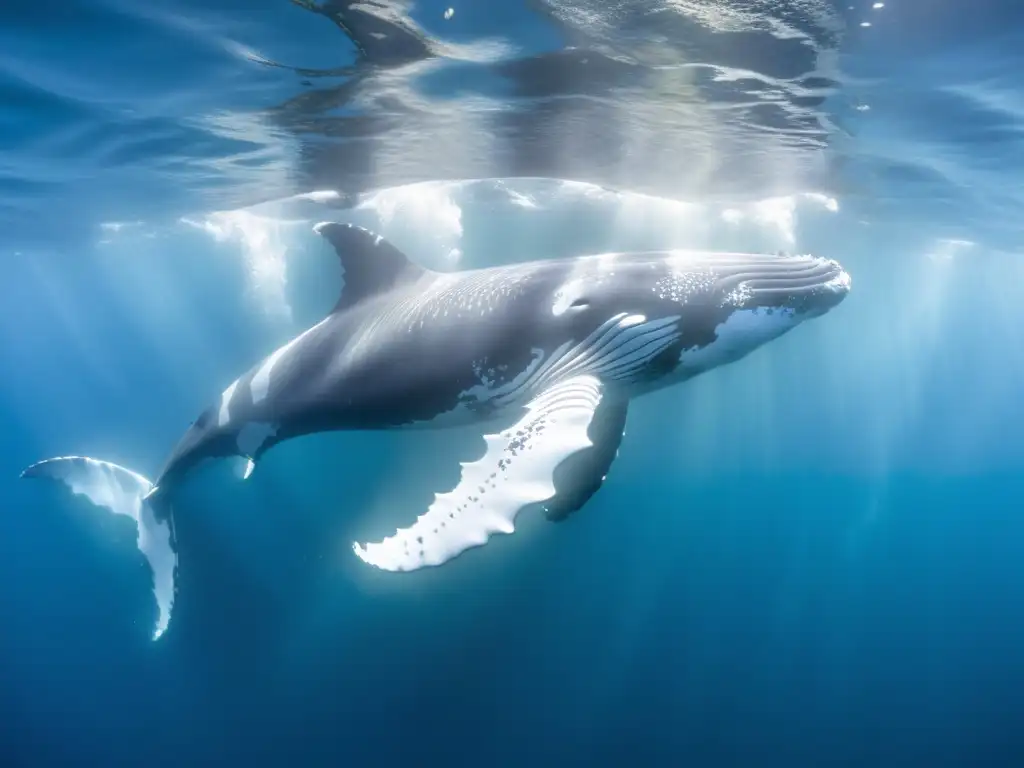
[[579, 304]]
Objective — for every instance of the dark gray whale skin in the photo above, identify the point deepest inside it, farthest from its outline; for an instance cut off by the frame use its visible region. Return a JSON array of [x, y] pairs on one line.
[[561, 345], [409, 348]]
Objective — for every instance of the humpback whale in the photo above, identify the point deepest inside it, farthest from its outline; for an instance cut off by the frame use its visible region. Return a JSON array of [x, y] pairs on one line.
[[550, 352]]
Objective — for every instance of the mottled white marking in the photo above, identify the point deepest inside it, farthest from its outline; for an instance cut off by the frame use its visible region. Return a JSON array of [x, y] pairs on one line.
[[739, 295], [253, 435], [515, 472], [742, 331], [260, 384], [225, 401], [841, 282], [483, 373], [680, 284], [485, 391], [122, 491], [250, 465]]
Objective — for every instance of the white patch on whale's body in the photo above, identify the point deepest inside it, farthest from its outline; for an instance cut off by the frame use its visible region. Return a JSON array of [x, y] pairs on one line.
[[253, 435], [741, 332], [224, 415], [489, 389], [260, 384]]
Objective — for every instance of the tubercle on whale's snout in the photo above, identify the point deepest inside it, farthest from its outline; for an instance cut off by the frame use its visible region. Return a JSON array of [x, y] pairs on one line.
[[803, 283], [842, 281], [835, 288]]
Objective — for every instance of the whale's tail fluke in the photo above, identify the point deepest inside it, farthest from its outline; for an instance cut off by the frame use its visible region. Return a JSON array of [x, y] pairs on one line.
[[128, 493]]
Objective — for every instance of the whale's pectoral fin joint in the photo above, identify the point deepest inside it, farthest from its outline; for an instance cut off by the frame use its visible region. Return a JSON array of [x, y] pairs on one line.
[[518, 470], [581, 475]]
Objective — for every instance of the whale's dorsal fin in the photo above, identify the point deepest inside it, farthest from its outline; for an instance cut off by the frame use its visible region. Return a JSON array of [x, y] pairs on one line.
[[371, 264]]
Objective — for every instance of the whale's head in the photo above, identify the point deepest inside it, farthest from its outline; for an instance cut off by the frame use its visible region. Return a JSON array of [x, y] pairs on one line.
[[646, 315], [739, 302]]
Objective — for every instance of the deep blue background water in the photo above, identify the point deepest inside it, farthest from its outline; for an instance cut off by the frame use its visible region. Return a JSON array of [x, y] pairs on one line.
[[808, 558]]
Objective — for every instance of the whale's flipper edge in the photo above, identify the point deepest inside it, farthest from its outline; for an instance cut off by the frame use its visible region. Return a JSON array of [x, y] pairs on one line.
[[517, 471], [370, 263], [581, 475], [124, 492]]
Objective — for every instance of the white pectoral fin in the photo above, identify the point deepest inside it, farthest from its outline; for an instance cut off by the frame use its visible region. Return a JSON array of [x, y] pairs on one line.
[[516, 471], [127, 493]]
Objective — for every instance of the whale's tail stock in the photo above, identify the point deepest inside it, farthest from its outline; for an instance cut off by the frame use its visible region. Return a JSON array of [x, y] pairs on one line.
[[124, 492]]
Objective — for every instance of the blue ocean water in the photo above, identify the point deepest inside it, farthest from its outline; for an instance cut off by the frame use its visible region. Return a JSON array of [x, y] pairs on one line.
[[808, 558]]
